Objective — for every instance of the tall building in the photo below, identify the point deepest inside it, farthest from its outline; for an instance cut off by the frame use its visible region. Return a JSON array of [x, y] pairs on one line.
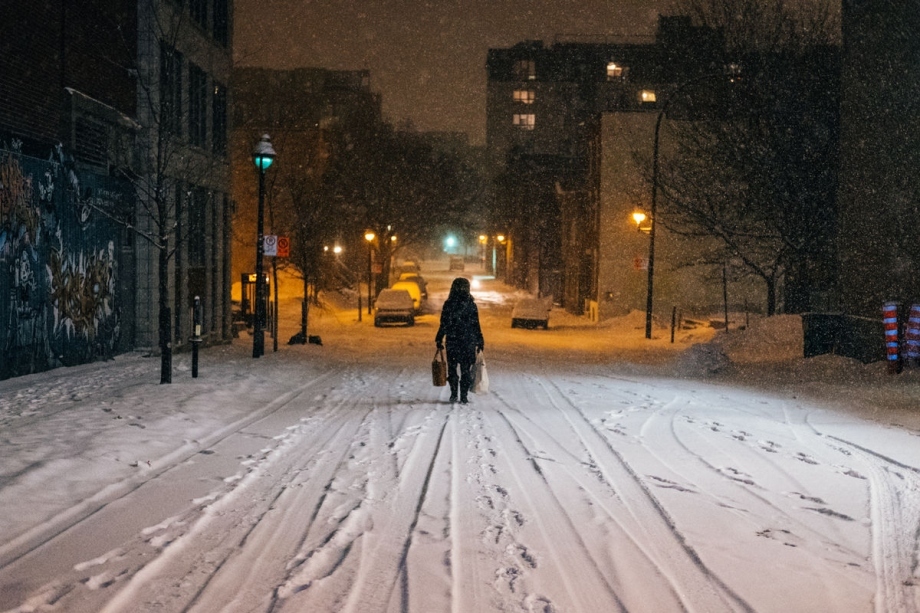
[[545, 107], [571, 130], [113, 113]]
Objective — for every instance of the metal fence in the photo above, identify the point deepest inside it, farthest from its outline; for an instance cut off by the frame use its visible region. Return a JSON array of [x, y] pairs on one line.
[[60, 296]]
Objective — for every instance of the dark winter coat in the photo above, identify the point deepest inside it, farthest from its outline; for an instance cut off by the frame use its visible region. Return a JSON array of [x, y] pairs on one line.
[[460, 327]]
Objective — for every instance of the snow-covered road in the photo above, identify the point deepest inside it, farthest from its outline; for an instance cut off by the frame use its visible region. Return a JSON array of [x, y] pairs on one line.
[[591, 478]]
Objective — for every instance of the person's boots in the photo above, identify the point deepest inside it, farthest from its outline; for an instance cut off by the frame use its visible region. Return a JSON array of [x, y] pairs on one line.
[[453, 393]]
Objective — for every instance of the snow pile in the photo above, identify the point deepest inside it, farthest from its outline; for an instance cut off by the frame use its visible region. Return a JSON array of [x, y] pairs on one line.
[[765, 341], [771, 339]]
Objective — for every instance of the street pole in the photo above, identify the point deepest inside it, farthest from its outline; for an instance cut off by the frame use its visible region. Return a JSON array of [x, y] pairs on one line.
[[370, 277], [263, 156], [732, 71], [258, 331], [651, 233]]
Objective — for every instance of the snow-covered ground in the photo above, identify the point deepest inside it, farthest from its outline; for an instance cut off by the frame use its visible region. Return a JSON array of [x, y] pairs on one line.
[[602, 472]]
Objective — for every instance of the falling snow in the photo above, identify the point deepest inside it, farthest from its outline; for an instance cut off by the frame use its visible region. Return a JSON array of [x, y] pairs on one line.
[[602, 472]]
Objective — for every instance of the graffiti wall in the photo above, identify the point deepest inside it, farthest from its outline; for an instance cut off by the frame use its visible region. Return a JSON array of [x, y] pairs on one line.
[[58, 264]]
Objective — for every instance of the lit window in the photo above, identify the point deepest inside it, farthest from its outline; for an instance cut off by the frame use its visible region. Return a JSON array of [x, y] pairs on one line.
[[524, 121], [525, 70], [647, 96], [524, 96], [615, 71]]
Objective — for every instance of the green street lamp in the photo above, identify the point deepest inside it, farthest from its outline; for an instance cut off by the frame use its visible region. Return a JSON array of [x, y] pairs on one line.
[[263, 155]]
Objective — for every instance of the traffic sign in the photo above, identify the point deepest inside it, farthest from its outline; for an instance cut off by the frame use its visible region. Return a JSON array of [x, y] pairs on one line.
[[284, 247], [270, 245]]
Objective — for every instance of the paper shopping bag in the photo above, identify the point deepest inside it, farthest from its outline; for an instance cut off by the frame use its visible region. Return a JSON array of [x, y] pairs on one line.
[[439, 369]]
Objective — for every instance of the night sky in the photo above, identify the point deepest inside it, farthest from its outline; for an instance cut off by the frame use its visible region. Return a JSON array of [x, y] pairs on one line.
[[426, 57]]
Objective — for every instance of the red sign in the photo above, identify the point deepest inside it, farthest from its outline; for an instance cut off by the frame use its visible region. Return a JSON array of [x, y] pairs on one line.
[[284, 247]]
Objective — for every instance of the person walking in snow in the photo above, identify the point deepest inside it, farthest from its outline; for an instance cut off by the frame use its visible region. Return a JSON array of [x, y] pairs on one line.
[[463, 335]]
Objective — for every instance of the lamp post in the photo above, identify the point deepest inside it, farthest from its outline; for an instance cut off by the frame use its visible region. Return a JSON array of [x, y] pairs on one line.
[[731, 71], [263, 155], [369, 236]]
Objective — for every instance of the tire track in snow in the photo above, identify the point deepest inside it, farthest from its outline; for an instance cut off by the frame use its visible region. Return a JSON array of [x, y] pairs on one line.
[[140, 556], [554, 526], [895, 510], [41, 535], [700, 589]]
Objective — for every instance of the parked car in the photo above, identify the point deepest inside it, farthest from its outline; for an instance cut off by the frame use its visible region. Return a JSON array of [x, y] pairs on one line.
[[394, 306], [531, 313], [414, 291], [409, 266], [416, 278], [456, 263]]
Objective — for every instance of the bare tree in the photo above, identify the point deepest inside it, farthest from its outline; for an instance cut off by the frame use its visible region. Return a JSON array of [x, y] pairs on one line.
[[759, 174]]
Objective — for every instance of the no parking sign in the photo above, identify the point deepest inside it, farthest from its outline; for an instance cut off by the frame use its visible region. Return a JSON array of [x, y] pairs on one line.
[[284, 247]]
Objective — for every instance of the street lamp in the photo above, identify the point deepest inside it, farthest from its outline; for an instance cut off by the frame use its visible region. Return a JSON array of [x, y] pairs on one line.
[[732, 71], [263, 155], [369, 236], [639, 216]]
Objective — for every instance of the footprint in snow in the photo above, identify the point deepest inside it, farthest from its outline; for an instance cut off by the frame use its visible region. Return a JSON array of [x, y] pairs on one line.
[[804, 457], [736, 475], [539, 604], [814, 499], [783, 536]]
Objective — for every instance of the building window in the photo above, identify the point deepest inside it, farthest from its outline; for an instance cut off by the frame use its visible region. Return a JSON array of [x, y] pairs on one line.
[[170, 90], [525, 70], [197, 227], [221, 22], [198, 10], [615, 71], [524, 121], [197, 106], [219, 119], [524, 96], [647, 96]]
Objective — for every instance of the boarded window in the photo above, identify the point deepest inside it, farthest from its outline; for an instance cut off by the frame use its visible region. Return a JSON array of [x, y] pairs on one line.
[[91, 142]]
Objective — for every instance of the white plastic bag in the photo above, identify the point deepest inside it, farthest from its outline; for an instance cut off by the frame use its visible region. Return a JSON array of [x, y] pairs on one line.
[[480, 376]]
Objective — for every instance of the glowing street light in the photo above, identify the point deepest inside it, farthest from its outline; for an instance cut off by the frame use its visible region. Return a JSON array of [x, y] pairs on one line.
[[639, 217]]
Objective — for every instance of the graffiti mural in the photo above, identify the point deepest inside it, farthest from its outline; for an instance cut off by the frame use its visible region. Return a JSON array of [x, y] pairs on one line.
[[58, 265]]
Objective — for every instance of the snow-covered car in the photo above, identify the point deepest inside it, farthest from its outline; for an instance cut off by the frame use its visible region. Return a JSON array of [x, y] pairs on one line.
[[414, 291], [531, 313], [394, 306], [409, 266], [418, 279]]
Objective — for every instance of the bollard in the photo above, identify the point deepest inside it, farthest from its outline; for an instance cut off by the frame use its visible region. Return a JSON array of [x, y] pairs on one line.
[[912, 337], [196, 338], [892, 340]]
